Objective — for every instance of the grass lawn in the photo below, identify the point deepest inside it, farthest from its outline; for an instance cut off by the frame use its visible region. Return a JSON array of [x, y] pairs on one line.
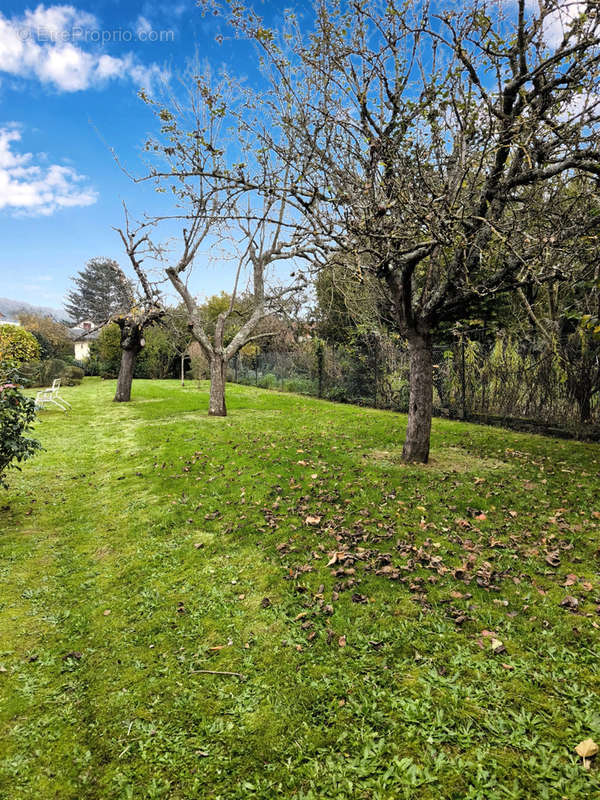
[[400, 632]]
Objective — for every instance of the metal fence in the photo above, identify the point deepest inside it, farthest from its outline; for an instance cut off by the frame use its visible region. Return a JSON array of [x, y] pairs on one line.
[[496, 381]]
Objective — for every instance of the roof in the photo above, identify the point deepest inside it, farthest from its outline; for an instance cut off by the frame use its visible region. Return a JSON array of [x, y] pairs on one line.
[[81, 334]]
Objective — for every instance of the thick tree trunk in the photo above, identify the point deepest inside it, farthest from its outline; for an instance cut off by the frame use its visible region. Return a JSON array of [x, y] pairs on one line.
[[216, 406], [125, 378], [420, 407]]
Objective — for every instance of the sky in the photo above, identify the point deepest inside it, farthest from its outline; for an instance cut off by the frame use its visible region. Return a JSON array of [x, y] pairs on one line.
[[69, 77]]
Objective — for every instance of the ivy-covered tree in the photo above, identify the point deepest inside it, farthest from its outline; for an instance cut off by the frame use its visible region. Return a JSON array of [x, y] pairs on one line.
[[565, 310]]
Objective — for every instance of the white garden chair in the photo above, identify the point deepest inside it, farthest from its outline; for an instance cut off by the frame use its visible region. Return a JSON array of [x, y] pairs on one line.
[[50, 396]]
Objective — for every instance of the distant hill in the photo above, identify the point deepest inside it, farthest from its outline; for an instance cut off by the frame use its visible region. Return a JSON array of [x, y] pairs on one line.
[[12, 308]]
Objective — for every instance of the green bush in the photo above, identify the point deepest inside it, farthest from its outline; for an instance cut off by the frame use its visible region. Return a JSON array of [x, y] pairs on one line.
[[300, 386], [72, 376], [268, 381], [338, 394], [42, 373], [17, 412], [17, 346]]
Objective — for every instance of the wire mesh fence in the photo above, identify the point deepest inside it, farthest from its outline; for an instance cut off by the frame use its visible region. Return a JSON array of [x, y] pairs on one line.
[[493, 380]]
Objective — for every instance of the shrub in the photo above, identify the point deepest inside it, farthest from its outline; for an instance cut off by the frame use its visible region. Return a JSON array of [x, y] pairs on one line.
[[72, 376], [300, 386], [268, 381], [16, 346], [337, 394], [17, 412]]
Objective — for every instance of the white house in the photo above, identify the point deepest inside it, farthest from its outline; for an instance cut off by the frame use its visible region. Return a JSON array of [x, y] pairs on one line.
[[83, 334]]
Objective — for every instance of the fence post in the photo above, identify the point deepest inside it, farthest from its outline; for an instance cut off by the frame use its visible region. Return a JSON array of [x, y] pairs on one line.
[[320, 360], [463, 378], [376, 375]]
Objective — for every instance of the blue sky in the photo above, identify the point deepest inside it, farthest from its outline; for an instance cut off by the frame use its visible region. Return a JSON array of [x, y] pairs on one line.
[[66, 97]]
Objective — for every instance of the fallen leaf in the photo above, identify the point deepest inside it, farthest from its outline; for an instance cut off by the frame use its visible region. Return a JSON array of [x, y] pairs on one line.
[[107, 612], [572, 603], [342, 641], [310, 520], [73, 654]]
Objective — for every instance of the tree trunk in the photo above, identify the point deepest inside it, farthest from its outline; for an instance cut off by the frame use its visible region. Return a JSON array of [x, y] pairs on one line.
[[585, 407], [216, 406], [420, 407], [123, 394]]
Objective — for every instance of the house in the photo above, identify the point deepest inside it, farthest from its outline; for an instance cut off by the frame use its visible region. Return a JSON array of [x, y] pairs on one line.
[[6, 321], [82, 335]]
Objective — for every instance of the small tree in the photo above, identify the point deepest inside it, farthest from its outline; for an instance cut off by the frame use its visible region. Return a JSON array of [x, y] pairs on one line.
[[144, 308], [105, 294]]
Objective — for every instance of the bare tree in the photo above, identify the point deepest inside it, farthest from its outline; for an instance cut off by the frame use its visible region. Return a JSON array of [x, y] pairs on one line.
[[421, 138], [264, 246], [225, 190], [143, 310]]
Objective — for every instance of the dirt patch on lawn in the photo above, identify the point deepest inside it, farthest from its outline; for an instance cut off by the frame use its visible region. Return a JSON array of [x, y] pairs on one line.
[[448, 460]]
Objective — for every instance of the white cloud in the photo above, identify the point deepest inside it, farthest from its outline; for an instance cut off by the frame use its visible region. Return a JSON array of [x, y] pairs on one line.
[[557, 23], [142, 26], [67, 67], [28, 188], [50, 44]]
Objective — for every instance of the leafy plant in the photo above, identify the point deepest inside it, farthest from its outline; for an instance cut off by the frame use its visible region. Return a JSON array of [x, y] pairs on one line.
[[17, 412]]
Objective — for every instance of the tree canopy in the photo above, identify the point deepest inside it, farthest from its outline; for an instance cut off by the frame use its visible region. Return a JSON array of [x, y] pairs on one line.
[[101, 292]]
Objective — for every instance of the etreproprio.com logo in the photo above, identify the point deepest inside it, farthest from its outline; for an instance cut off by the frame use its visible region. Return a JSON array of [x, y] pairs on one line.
[[96, 36]]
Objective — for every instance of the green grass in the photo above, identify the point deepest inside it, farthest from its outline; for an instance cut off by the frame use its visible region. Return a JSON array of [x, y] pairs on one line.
[[192, 533]]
